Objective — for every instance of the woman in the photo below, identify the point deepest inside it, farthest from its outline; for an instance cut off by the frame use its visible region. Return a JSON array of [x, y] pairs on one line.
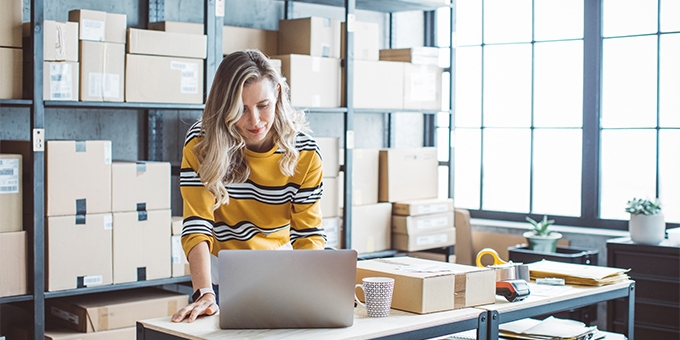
[[251, 178]]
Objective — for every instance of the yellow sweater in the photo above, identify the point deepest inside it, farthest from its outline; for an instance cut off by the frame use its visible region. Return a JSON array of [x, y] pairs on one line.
[[266, 212]]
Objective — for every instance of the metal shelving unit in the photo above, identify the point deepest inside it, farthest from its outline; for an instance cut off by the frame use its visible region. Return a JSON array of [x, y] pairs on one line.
[[37, 106]]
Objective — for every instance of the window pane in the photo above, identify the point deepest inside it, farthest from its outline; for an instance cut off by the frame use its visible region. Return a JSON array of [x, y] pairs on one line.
[[670, 15], [628, 17], [669, 87], [558, 87], [442, 119], [629, 82], [446, 90], [558, 19], [557, 172], [468, 22], [507, 21], [467, 168], [442, 144], [628, 163], [506, 170], [443, 32], [669, 168], [468, 87], [507, 85]]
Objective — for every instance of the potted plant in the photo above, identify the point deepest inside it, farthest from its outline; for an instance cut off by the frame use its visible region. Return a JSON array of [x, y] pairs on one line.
[[646, 223], [540, 238]]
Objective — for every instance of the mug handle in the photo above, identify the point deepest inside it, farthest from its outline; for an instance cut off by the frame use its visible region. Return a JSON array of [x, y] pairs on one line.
[[355, 295]]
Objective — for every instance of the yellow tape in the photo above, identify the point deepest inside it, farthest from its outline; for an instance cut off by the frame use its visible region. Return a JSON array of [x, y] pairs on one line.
[[488, 251]]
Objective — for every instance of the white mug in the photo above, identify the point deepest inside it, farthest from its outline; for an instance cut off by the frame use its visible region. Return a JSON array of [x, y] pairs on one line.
[[377, 294]]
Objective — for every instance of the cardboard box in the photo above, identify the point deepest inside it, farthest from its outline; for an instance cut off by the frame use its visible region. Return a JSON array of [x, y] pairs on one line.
[[422, 224], [422, 241], [60, 40], [385, 76], [422, 207], [152, 79], [10, 23], [140, 186], [180, 264], [331, 226], [371, 227], [313, 81], [330, 205], [365, 177], [13, 264], [177, 27], [113, 310], [78, 251], [25, 149], [435, 256], [415, 55], [11, 73], [408, 174], [151, 42], [243, 38], [61, 80], [366, 40], [140, 245], [177, 224], [330, 149], [78, 177], [99, 26], [276, 64], [129, 333], [456, 286], [11, 193], [314, 36], [422, 87], [102, 71]]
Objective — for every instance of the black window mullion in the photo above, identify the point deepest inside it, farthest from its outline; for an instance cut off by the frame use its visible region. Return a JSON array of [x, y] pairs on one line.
[[658, 98]]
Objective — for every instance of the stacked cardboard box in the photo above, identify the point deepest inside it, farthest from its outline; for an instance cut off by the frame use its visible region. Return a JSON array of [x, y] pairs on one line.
[[180, 264], [12, 236], [140, 203], [164, 67], [309, 49], [422, 76], [243, 38], [10, 50], [423, 224], [110, 315], [408, 174], [330, 208], [102, 54]]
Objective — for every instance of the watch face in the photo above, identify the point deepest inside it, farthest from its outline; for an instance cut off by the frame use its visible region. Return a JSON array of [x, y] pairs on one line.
[[197, 294]]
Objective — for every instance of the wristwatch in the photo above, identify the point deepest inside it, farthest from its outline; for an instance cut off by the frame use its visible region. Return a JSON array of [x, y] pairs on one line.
[[200, 292]]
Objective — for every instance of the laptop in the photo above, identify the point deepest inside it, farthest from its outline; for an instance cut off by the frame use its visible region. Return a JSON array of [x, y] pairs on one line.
[[286, 288]]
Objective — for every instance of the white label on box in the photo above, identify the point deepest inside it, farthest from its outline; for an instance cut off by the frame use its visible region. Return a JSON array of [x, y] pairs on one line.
[[9, 176], [188, 76], [431, 239], [432, 208], [92, 280], [430, 223], [423, 86], [61, 81], [107, 152], [92, 30], [219, 8], [330, 226], [103, 85], [108, 222], [64, 315], [316, 64], [177, 251]]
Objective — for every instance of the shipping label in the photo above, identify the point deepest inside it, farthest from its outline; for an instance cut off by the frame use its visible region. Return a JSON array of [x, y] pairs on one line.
[[431, 239], [188, 76], [423, 86], [9, 176], [61, 81], [103, 85], [92, 30]]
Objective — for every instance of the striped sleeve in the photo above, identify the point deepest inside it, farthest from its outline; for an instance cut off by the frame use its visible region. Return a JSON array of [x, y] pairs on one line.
[[306, 230]]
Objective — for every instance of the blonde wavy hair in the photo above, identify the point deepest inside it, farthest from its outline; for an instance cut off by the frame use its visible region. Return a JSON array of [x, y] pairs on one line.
[[221, 153]]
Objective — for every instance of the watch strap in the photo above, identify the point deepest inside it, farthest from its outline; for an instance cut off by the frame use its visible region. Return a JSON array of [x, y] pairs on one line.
[[200, 292]]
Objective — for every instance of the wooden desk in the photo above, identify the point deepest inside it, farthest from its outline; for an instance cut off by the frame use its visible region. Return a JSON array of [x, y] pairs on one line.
[[399, 325], [577, 296]]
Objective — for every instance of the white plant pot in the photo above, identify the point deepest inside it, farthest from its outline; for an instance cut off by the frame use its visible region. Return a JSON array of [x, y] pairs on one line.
[[647, 229]]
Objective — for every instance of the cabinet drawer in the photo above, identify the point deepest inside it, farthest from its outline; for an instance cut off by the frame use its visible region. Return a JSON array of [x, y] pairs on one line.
[[647, 333], [649, 314], [657, 265], [658, 290]]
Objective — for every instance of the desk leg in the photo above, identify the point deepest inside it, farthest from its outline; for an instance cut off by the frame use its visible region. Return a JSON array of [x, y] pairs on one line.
[[492, 325], [631, 311]]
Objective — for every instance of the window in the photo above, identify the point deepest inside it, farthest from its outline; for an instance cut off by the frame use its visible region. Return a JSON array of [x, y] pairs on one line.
[[526, 129]]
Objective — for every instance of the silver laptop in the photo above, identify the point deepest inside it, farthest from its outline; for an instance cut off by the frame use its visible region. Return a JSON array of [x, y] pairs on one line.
[[286, 288]]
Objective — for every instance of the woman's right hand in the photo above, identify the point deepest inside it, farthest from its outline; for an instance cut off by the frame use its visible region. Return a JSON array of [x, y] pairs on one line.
[[205, 305]]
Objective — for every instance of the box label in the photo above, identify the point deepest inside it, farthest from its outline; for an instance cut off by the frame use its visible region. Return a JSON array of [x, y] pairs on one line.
[[61, 81], [432, 208], [9, 176], [177, 251], [430, 223], [108, 222], [64, 315], [423, 86], [188, 76], [431, 239], [92, 280], [107, 152], [92, 30], [104, 85]]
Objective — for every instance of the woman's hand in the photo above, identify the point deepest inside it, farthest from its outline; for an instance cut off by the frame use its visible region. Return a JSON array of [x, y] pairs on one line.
[[205, 305]]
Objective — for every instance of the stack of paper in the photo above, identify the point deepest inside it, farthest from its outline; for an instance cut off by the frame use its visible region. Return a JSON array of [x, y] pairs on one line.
[[577, 274], [550, 328]]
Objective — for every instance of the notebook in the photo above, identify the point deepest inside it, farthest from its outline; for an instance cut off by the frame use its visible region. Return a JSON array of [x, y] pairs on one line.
[[286, 288]]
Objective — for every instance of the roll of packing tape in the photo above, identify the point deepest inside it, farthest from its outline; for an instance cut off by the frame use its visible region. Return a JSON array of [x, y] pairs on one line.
[[505, 272]]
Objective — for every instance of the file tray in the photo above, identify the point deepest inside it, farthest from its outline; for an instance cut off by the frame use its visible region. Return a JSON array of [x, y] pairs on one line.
[[562, 254]]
